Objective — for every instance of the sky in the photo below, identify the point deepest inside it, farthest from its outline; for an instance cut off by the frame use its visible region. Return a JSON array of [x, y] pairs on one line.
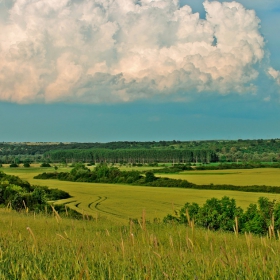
[[139, 70]]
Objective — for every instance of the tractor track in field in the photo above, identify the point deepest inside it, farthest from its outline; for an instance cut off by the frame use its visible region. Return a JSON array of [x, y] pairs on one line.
[[96, 206], [68, 202], [98, 202], [77, 204], [95, 201]]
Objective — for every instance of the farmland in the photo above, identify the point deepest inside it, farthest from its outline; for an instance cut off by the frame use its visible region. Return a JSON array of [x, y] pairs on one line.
[[241, 177], [119, 202]]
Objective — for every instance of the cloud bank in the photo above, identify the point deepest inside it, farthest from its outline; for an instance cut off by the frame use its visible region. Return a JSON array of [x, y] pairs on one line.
[[96, 51]]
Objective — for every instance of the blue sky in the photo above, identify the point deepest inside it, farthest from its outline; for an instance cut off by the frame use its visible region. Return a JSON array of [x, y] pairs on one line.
[[74, 72]]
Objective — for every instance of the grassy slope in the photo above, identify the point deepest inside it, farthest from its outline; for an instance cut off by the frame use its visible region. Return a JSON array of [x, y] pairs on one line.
[[121, 202], [38, 247]]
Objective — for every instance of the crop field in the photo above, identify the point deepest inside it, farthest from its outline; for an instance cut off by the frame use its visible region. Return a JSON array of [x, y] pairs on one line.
[[241, 177], [120, 202]]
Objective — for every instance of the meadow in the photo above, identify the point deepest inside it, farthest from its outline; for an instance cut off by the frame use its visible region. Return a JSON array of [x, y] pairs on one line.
[[41, 247]]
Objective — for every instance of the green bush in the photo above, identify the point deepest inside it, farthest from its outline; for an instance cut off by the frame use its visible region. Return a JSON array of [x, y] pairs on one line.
[[221, 214], [45, 164], [20, 194]]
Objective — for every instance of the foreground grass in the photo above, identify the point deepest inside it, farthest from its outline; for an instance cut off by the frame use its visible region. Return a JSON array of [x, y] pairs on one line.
[[39, 247]]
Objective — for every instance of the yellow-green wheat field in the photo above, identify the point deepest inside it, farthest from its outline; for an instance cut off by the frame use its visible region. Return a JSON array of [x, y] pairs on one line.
[[120, 202]]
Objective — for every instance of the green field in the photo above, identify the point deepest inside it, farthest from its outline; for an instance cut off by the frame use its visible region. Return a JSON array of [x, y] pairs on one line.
[[241, 177], [119, 202]]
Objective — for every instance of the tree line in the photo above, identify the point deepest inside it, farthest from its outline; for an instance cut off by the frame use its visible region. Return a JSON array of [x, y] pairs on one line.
[[260, 150], [131, 156]]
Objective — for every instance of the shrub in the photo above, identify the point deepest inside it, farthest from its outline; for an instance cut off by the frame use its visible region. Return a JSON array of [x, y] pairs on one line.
[[150, 177], [45, 164], [221, 214]]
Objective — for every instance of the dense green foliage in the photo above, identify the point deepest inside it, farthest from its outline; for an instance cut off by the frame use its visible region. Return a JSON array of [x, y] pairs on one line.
[[174, 151], [223, 214], [132, 155], [101, 174], [21, 195], [217, 150], [110, 174]]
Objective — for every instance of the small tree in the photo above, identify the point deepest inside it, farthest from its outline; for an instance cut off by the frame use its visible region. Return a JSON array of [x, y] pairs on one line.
[[39, 196], [150, 177]]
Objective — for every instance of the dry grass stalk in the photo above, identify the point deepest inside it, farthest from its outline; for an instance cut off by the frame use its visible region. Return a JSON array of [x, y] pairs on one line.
[[235, 227], [24, 205], [66, 211], [32, 234], [122, 247], [144, 220], [248, 237], [271, 228], [171, 242], [9, 207], [132, 238], [188, 217], [58, 218], [83, 272]]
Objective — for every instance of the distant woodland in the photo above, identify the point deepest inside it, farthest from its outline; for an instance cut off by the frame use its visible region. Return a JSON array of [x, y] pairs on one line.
[[261, 150]]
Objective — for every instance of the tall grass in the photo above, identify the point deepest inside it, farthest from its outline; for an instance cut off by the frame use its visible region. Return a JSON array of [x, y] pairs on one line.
[[40, 247]]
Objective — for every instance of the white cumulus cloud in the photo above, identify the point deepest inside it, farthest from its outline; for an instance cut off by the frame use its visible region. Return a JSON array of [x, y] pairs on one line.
[[274, 74], [122, 50]]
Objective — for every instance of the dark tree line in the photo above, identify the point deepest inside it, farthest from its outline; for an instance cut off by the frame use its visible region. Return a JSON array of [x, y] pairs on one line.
[[132, 156]]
